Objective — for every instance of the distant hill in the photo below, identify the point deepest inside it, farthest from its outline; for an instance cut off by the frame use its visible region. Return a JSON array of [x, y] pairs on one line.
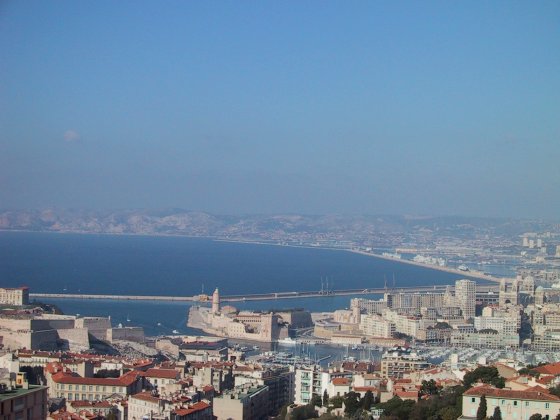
[[329, 230]]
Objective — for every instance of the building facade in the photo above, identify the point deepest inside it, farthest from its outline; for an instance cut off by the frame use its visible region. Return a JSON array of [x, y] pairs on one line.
[[16, 296]]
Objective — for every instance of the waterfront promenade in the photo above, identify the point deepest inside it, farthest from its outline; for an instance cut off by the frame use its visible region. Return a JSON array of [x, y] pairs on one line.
[[264, 296]]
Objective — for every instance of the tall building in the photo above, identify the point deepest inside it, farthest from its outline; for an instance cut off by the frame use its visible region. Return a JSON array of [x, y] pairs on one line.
[[216, 301], [465, 296]]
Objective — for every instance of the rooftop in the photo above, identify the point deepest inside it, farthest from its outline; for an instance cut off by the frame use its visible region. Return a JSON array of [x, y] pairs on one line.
[[18, 392], [490, 391]]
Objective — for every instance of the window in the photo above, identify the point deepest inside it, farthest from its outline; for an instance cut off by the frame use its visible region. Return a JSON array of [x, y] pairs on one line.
[[69, 387], [91, 388], [97, 387], [515, 403], [547, 405], [473, 399], [526, 403], [83, 387], [503, 402]]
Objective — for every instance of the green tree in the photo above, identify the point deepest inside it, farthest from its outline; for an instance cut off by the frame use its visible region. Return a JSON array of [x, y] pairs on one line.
[[536, 416], [303, 412], [325, 399], [497, 414], [429, 387], [316, 401], [368, 400], [485, 374], [482, 408], [336, 401], [448, 413], [396, 408], [351, 403]]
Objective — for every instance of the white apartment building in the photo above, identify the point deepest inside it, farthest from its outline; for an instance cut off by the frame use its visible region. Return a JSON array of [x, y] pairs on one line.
[[375, 326], [309, 381], [502, 325], [465, 297], [395, 363], [467, 336], [16, 296]]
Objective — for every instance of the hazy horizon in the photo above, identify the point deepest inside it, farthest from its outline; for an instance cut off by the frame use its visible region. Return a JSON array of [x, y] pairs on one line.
[[366, 108]]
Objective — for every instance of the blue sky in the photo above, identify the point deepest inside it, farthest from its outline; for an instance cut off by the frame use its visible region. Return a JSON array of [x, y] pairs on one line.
[[273, 107]]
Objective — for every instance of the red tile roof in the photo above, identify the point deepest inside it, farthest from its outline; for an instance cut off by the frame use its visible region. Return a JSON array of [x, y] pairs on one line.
[[161, 373], [550, 369], [406, 394], [72, 378], [145, 396], [199, 406], [511, 394], [340, 381]]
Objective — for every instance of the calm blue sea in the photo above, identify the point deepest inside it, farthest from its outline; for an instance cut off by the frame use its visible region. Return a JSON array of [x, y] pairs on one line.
[[144, 265]]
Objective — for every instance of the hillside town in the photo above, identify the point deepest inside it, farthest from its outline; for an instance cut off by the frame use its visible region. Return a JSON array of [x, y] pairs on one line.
[[458, 353]]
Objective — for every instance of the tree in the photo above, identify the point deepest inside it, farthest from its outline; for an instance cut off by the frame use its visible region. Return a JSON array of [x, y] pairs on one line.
[[482, 408], [325, 399], [497, 414], [351, 403], [449, 413], [396, 408], [486, 374], [367, 401], [536, 416], [429, 387], [336, 401], [316, 401], [303, 412]]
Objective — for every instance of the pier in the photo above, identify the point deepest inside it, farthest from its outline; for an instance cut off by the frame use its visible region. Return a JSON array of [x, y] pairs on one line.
[[266, 296]]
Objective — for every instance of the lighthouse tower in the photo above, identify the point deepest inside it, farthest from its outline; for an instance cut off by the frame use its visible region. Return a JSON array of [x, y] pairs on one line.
[[216, 301]]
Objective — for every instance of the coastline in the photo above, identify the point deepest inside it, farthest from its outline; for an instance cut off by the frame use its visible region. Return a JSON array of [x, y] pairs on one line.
[[472, 274]]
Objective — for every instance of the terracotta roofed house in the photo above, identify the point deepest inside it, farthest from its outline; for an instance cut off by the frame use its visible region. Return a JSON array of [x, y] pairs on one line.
[[513, 404]]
